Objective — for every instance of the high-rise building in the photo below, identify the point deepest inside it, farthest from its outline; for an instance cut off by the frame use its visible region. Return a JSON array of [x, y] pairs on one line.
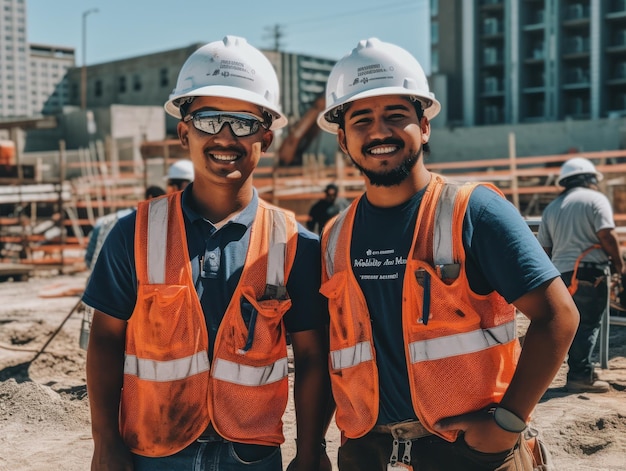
[[48, 82], [524, 61], [32, 76], [14, 64]]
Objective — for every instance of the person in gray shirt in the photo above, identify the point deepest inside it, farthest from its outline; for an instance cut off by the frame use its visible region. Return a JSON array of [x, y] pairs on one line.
[[578, 233]]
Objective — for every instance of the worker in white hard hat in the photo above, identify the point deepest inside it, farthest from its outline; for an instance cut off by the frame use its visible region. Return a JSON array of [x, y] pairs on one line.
[[423, 276], [187, 365], [179, 175], [578, 232]]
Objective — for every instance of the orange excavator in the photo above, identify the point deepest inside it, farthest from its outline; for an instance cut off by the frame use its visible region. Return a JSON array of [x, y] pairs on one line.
[[301, 134]]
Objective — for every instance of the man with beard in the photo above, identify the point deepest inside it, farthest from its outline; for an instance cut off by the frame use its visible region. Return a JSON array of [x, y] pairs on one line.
[[423, 277]]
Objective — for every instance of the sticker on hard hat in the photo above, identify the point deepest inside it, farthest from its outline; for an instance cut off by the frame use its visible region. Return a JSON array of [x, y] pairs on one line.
[[370, 69], [228, 68]]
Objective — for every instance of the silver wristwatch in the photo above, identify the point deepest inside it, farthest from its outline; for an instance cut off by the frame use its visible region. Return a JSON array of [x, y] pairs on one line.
[[507, 420]]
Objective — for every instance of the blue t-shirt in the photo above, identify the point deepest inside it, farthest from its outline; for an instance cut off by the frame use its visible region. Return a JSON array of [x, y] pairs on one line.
[[112, 287], [502, 255]]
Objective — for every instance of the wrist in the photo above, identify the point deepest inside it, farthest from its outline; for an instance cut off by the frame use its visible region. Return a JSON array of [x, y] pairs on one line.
[[507, 420]]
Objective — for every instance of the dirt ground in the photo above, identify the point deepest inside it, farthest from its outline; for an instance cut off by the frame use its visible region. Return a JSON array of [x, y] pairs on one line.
[[44, 412]]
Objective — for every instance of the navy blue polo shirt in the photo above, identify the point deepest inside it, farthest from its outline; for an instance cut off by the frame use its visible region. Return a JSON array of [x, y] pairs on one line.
[[217, 257], [502, 255]]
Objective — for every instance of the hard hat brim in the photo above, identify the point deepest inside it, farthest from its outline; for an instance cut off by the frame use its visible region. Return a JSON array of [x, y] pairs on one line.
[[221, 91], [430, 104], [598, 175]]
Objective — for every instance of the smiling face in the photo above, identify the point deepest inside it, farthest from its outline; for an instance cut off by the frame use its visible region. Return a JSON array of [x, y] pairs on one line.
[[383, 136], [223, 157]]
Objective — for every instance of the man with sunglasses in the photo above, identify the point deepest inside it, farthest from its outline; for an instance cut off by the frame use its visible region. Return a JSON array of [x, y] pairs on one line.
[[423, 277], [187, 366]]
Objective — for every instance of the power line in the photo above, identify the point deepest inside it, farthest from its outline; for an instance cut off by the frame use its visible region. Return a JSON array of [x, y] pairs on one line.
[[312, 28], [334, 16], [275, 34]]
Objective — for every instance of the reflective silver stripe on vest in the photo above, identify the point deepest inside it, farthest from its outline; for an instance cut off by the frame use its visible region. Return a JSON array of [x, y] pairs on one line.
[[157, 240], [333, 235], [351, 356], [442, 236], [245, 375], [461, 344], [278, 245], [162, 371]]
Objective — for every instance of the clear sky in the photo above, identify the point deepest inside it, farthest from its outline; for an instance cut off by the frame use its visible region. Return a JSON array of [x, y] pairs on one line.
[[324, 28]]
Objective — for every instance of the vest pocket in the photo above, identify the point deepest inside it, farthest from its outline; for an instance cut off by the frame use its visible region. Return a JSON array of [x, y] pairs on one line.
[[260, 328], [166, 322]]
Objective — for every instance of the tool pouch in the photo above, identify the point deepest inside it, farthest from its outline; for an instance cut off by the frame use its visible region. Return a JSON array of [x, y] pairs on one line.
[[542, 461]]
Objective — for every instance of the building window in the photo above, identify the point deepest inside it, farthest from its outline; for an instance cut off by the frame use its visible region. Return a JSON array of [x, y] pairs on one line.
[[122, 85], [434, 32], [434, 7], [164, 79], [434, 61], [98, 88], [136, 83]]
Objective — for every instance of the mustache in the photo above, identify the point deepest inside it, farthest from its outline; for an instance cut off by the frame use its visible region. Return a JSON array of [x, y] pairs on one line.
[[383, 142]]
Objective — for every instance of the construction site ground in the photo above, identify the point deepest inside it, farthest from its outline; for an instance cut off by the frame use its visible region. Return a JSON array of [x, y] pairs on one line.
[[44, 411]]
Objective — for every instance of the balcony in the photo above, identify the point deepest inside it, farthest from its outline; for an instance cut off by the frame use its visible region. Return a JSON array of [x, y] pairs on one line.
[[577, 11], [576, 45]]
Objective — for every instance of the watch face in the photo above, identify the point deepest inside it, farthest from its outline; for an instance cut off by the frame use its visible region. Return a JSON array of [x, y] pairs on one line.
[[508, 421]]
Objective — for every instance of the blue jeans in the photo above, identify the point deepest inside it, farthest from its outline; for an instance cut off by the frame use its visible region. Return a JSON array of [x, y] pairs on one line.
[[215, 456], [591, 299]]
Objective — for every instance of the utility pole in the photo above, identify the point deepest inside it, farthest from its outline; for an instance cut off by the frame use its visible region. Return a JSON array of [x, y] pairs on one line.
[[275, 34], [83, 71]]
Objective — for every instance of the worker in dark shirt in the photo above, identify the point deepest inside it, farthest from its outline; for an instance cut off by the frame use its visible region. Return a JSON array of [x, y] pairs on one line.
[[326, 208]]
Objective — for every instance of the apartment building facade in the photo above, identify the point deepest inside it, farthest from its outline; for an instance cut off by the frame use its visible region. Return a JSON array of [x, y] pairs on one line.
[[48, 87], [149, 80], [526, 61], [14, 60]]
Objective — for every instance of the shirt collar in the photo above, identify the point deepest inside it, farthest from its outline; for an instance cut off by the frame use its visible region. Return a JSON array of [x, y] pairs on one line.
[[245, 217]]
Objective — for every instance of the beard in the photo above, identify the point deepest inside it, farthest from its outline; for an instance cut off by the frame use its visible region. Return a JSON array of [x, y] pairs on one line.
[[392, 177]]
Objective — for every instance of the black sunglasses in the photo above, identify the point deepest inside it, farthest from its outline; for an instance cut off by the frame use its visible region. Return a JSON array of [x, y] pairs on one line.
[[211, 122]]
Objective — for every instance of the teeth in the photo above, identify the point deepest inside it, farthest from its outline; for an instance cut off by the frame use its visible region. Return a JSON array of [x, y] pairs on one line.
[[383, 150], [225, 157]]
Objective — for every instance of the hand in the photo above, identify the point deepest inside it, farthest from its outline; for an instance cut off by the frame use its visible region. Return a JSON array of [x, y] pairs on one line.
[[481, 432], [111, 456], [324, 464]]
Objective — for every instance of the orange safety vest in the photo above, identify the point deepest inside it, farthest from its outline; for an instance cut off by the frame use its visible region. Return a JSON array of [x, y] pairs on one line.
[[171, 391], [461, 348]]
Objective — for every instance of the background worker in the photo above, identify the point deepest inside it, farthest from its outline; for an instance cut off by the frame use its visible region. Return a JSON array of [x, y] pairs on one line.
[[187, 362], [179, 175], [422, 278], [104, 224], [577, 231], [326, 208]]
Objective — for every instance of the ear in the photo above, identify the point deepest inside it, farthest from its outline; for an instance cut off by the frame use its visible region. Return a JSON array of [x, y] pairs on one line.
[[425, 128], [183, 132], [266, 140], [341, 140]]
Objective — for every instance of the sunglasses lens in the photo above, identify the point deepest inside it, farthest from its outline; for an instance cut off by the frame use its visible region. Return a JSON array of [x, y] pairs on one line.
[[212, 122]]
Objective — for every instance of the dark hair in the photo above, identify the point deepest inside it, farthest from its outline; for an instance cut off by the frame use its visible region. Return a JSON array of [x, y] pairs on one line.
[[337, 116], [582, 179], [331, 186], [154, 191], [177, 183]]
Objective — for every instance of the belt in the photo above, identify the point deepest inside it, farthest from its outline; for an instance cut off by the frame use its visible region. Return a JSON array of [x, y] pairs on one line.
[[407, 430], [210, 435], [598, 266]]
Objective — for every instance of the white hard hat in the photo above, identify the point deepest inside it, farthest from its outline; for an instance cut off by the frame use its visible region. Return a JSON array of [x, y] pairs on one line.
[[375, 68], [578, 166], [230, 68], [181, 170]]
